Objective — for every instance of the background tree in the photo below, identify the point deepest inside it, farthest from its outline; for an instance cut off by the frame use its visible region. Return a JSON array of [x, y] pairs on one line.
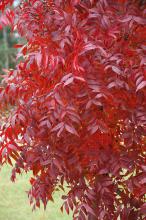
[[8, 39], [7, 51], [79, 97]]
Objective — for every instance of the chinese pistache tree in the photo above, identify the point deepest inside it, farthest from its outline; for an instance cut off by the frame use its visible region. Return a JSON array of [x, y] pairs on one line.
[[77, 104]]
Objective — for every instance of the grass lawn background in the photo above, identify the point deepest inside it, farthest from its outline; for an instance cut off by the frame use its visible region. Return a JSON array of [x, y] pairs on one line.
[[14, 203]]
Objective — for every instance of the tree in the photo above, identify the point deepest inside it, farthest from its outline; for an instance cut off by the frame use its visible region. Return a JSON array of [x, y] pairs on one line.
[[7, 52], [7, 41], [79, 105]]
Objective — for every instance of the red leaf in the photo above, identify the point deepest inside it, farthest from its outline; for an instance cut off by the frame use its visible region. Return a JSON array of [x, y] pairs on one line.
[[58, 126], [71, 129], [11, 146], [69, 81], [141, 86], [116, 70]]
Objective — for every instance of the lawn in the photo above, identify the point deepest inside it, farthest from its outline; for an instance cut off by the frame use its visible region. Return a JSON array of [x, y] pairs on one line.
[[14, 203]]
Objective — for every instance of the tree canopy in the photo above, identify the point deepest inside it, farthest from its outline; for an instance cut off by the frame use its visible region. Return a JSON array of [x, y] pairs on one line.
[[79, 104]]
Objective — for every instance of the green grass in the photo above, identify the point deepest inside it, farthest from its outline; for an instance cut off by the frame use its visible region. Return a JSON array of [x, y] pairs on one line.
[[14, 203]]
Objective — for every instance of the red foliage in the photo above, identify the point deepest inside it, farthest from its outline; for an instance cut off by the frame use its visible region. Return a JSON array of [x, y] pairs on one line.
[[79, 97], [4, 3]]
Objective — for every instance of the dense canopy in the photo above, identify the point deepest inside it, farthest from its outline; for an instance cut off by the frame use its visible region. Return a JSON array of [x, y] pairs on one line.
[[77, 104]]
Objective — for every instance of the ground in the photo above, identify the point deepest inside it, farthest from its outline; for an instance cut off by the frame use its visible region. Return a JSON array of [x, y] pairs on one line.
[[14, 203]]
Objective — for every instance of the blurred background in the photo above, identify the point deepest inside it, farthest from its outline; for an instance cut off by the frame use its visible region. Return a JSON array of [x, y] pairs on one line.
[[7, 51], [14, 203]]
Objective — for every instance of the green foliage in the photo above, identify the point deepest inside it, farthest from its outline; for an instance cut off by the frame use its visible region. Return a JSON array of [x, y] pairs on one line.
[[7, 51]]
